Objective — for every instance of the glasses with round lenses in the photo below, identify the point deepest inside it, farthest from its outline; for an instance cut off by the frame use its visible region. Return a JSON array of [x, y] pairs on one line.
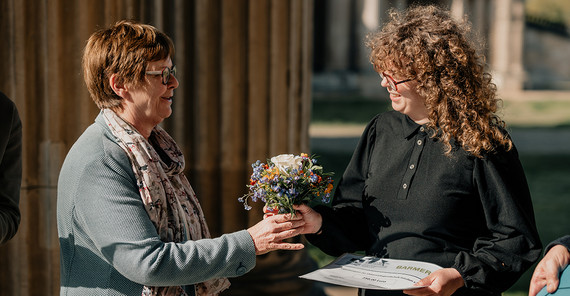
[[392, 84], [165, 74]]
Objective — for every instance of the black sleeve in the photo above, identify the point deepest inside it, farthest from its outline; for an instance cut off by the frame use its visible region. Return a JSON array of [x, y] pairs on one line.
[[565, 241], [10, 168], [345, 228], [512, 244]]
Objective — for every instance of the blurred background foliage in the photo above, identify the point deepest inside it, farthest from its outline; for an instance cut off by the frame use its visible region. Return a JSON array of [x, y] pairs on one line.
[[556, 11]]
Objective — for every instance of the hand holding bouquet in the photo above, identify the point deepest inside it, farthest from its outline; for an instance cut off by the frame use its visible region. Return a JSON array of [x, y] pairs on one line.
[[287, 180]]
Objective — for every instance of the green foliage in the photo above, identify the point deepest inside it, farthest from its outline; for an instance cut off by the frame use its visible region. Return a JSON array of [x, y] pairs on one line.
[[348, 110], [539, 112], [548, 178], [556, 11]]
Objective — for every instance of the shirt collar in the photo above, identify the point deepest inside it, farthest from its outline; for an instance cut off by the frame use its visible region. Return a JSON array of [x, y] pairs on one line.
[[409, 127]]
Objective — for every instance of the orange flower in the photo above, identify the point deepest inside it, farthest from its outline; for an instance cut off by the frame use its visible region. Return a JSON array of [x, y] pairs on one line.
[[273, 173], [329, 188]]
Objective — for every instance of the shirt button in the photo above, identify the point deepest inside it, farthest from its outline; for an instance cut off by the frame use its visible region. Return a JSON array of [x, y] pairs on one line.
[[419, 142], [422, 129], [405, 186], [412, 166]]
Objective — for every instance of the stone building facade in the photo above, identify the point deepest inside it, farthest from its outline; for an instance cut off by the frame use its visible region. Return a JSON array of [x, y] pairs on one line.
[[341, 59], [546, 55], [244, 71]]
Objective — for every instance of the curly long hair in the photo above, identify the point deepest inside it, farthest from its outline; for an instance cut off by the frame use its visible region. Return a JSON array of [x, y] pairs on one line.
[[427, 45]]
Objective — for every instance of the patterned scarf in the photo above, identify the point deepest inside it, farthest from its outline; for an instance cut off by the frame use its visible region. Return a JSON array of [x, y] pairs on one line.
[[167, 195]]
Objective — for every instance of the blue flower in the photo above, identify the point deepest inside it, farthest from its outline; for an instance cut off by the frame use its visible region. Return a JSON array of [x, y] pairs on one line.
[[314, 178]]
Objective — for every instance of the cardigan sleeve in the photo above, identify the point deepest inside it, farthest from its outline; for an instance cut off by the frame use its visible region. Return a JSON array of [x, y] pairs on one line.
[[10, 168], [110, 210], [512, 244], [344, 227]]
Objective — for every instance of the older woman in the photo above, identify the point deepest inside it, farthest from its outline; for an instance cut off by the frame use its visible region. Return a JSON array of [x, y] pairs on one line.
[[438, 179], [129, 222]]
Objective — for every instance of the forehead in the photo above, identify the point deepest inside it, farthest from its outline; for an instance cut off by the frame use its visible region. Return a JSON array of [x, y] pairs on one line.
[[160, 64], [387, 67], [395, 75]]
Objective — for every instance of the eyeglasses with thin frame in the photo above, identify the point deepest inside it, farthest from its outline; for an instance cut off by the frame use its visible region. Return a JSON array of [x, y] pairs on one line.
[[392, 84], [165, 73]]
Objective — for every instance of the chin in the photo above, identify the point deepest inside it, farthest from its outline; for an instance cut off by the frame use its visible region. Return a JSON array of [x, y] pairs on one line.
[[397, 107], [166, 112]]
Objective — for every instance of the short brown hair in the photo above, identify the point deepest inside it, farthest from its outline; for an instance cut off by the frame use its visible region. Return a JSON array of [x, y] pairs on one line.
[[426, 44], [123, 49]]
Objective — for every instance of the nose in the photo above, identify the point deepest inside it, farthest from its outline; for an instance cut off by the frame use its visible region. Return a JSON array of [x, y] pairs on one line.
[[384, 81], [173, 82]]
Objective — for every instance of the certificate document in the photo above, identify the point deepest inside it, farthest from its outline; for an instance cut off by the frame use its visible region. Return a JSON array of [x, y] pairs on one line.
[[373, 273]]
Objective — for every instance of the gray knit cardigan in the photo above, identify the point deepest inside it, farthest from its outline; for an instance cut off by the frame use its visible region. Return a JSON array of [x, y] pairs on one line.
[[108, 244]]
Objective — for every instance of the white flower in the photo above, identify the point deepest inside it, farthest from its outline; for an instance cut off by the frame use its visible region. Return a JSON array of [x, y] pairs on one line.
[[287, 161]]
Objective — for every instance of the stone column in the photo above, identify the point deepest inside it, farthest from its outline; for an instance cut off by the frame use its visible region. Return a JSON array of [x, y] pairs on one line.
[[400, 4], [458, 9], [369, 19], [245, 86], [338, 35], [478, 17], [371, 15], [507, 44]]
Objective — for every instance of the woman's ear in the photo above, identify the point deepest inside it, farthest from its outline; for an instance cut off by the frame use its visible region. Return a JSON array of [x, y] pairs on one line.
[[118, 86]]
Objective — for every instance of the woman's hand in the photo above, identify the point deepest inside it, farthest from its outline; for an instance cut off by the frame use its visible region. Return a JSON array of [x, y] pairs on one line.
[[442, 282], [269, 233], [547, 270], [313, 220]]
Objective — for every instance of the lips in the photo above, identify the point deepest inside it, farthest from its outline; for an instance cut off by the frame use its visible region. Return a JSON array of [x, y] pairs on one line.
[[394, 96], [167, 98]]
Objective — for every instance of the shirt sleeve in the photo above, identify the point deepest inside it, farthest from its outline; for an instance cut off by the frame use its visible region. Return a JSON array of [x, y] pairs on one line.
[[10, 172], [345, 228], [565, 241], [512, 244], [112, 214]]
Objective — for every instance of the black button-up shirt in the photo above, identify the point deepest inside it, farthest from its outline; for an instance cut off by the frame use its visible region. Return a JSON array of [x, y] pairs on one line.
[[401, 197]]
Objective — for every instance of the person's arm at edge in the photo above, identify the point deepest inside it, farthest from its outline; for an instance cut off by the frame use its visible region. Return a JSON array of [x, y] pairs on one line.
[[10, 175], [546, 273]]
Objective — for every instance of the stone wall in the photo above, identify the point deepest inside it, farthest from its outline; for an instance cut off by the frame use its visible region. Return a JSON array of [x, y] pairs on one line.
[[546, 56], [244, 68]]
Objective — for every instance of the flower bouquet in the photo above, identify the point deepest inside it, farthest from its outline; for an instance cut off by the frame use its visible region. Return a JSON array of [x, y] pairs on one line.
[[286, 180]]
